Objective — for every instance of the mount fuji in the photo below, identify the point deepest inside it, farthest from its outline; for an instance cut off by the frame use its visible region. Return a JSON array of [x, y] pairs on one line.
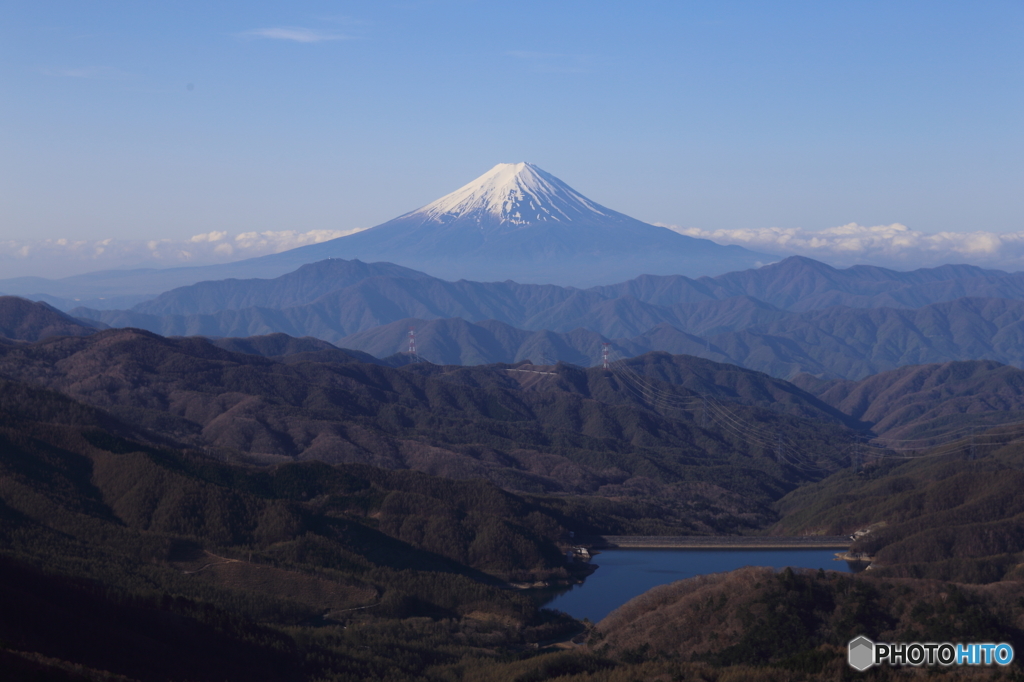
[[515, 222], [519, 222]]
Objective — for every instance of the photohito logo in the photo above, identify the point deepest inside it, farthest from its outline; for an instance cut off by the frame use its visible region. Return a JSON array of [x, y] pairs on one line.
[[863, 653]]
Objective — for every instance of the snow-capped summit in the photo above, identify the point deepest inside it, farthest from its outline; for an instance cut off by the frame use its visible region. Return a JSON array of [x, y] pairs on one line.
[[519, 222], [515, 194]]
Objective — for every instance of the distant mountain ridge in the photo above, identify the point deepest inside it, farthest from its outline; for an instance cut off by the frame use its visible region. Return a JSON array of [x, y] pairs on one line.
[[302, 286], [795, 283], [737, 318], [834, 343], [919, 401]]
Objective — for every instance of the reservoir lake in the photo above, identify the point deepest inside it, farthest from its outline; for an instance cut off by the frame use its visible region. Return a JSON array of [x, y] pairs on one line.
[[626, 573]]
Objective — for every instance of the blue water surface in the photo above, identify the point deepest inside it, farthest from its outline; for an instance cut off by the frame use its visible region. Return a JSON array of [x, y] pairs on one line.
[[627, 573]]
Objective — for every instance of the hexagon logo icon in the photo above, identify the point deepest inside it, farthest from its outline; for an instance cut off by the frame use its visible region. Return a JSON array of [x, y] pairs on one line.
[[861, 653]]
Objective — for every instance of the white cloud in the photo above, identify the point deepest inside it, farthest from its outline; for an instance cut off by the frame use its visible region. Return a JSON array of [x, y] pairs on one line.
[[209, 237], [62, 257], [892, 245], [295, 34], [288, 239]]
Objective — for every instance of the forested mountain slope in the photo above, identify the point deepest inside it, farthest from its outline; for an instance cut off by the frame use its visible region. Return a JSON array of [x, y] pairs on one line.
[[129, 545], [926, 402], [834, 343], [155, 563], [24, 320], [564, 430]]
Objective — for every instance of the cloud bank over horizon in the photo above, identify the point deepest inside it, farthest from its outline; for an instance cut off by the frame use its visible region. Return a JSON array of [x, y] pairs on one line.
[[56, 258], [894, 246]]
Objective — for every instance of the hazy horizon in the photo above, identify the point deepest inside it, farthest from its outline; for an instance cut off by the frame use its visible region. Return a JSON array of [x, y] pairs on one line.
[[144, 136]]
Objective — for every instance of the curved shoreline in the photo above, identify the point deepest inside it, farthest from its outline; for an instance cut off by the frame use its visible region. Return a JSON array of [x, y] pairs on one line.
[[719, 542]]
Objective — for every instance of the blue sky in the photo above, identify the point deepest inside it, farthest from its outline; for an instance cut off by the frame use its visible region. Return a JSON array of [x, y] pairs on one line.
[[162, 121]]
